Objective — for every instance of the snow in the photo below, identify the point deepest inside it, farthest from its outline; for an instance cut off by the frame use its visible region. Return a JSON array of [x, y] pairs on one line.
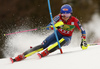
[[73, 58]]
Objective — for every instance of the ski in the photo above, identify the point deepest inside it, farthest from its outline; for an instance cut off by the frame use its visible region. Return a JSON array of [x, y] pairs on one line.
[[12, 60]]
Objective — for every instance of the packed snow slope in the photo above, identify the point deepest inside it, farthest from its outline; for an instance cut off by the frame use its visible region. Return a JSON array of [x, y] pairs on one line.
[[72, 58]]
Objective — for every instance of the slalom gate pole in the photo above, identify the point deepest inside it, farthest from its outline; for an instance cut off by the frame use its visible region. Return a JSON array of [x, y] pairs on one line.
[[54, 26]]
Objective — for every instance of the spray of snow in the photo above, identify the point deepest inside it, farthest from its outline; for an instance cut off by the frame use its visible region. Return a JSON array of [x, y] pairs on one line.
[[93, 27], [18, 43]]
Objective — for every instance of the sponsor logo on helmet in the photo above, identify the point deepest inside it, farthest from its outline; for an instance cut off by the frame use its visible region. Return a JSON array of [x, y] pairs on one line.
[[65, 9]]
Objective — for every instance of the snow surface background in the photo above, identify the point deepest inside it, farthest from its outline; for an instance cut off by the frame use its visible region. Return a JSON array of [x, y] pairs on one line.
[[73, 57]]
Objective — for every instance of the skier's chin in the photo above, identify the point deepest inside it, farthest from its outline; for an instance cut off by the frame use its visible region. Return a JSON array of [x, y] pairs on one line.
[[65, 18]]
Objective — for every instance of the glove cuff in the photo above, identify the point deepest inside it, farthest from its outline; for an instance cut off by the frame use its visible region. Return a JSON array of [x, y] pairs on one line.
[[83, 38]]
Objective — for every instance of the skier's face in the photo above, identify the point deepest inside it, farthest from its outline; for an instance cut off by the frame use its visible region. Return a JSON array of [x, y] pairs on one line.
[[66, 16]]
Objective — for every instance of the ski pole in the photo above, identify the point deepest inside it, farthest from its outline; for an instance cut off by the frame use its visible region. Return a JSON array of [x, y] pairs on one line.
[[26, 30], [92, 44], [20, 32], [60, 23], [54, 26]]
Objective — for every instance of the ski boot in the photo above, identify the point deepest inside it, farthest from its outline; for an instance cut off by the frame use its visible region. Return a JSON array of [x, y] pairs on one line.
[[12, 60], [43, 54], [18, 58]]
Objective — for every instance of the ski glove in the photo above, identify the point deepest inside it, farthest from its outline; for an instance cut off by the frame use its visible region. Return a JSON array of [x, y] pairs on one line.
[[84, 44], [57, 25]]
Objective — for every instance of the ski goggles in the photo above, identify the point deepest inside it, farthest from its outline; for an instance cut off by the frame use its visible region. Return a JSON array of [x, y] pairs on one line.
[[66, 15]]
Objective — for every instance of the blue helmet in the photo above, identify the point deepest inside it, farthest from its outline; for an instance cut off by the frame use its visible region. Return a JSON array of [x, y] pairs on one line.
[[66, 9]]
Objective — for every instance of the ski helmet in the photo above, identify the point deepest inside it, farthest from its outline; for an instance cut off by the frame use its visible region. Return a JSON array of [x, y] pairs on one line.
[[66, 9]]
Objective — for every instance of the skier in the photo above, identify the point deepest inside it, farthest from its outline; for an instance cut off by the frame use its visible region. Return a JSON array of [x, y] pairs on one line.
[[64, 33]]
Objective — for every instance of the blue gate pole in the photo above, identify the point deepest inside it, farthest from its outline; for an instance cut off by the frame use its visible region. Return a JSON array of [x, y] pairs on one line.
[[54, 26]]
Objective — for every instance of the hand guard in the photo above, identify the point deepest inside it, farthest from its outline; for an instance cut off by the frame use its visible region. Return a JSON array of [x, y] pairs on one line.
[[60, 26], [57, 25], [84, 44]]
